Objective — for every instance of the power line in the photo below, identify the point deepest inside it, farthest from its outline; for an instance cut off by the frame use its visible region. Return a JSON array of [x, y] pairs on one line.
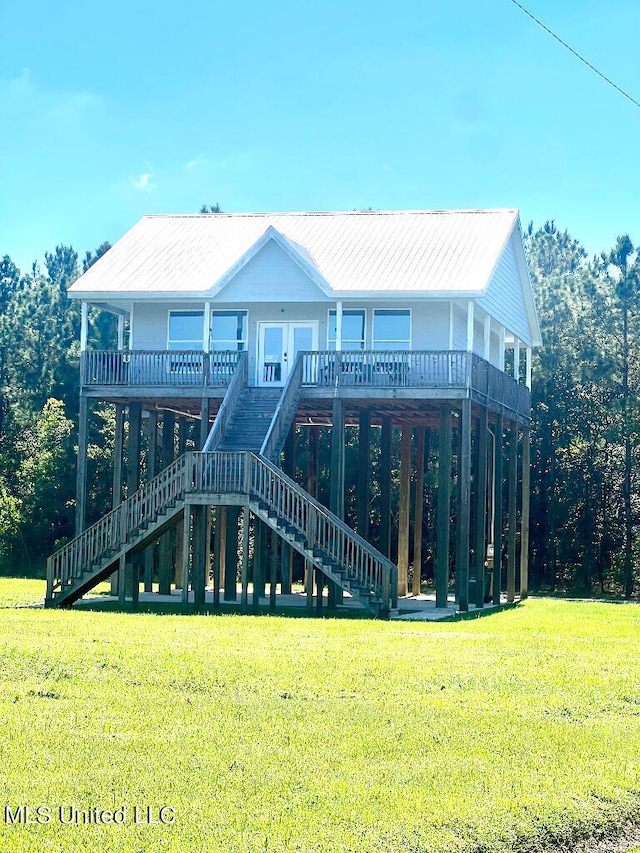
[[575, 53]]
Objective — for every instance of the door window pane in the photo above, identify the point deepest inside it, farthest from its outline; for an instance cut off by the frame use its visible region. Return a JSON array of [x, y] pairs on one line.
[[392, 329], [185, 330], [272, 354], [302, 340], [352, 330]]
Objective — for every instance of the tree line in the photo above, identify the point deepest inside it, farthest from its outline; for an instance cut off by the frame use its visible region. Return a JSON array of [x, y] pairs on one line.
[[585, 501]]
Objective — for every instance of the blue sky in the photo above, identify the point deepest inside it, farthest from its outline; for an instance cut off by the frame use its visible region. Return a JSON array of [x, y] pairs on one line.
[[111, 112]]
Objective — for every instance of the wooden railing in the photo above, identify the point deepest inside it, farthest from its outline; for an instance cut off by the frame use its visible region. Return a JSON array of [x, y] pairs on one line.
[[285, 412], [157, 367], [111, 533], [415, 369], [236, 386], [246, 473], [239, 473]]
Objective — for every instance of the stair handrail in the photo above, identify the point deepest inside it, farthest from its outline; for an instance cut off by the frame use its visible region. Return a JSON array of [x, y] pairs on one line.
[[322, 528], [284, 413], [111, 532], [381, 574], [238, 382]]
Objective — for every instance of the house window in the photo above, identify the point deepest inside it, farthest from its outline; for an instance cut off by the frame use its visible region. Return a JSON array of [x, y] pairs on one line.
[[185, 330], [229, 330], [392, 330], [352, 330]]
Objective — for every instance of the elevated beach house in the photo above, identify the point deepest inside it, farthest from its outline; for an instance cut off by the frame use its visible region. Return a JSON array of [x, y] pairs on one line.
[[285, 384]]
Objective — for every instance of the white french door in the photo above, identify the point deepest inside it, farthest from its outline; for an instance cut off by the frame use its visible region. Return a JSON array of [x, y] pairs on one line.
[[278, 345]]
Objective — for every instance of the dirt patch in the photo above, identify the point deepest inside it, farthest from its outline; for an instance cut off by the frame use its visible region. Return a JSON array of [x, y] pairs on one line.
[[614, 840]]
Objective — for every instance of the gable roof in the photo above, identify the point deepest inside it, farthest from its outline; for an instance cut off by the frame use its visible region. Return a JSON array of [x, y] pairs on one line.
[[430, 252]]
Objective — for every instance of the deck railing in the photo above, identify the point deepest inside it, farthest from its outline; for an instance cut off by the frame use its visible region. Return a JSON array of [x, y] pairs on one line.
[[138, 368], [414, 369]]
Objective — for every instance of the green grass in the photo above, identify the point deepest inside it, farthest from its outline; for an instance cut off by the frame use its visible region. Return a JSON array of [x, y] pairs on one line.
[[276, 734]]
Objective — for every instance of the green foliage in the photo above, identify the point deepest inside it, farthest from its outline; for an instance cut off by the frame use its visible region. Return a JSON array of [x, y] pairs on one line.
[[585, 409]]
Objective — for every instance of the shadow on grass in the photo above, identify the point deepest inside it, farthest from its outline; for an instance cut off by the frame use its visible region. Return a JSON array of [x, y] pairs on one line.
[[166, 609]]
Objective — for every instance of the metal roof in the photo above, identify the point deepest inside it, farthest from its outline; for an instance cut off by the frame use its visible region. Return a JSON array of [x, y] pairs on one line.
[[423, 251]]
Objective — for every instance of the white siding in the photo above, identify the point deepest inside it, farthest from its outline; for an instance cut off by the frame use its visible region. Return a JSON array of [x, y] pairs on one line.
[[271, 276], [430, 325], [504, 299], [459, 327], [150, 322]]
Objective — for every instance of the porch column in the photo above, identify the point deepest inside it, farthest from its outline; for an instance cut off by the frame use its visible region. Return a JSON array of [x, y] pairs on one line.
[[516, 358], [444, 506], [244, 571], [186, 554], [120, 332], [403, 509], [470, 307], [528, 371], [199, 567], [501, 347], [487, 337], [84, 325], [206, 334], [338, 326]]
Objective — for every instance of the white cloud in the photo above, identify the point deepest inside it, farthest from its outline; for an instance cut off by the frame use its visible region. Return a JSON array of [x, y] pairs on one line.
[[145, 182], [197, 161]]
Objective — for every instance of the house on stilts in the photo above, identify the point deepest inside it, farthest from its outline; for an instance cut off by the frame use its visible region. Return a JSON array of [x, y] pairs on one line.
[[286, 384]]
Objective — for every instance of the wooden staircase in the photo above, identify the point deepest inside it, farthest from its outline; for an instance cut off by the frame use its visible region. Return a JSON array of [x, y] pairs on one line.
[[237, 466]]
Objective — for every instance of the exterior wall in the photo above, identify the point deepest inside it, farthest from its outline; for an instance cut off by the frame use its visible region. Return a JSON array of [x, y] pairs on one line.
[[271, 276], [504, 298]]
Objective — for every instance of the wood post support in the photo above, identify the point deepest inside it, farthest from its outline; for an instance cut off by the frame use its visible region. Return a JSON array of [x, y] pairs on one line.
[[165, 552], [186, 555], [231, 553], [524, 533], [386, 434], [244, 571], [418, 513], [512, 505], [480, 535], [198, 567], [464, 506], [497, 510], [81, 465], [273, 568], [404, 509], [152, 453], [444, 506], [364, 473]]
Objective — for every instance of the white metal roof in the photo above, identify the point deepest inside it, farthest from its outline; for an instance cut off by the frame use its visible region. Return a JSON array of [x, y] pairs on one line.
[[426, 251]]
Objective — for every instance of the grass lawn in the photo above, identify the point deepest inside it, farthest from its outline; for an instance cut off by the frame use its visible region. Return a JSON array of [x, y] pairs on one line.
[[276, 734]]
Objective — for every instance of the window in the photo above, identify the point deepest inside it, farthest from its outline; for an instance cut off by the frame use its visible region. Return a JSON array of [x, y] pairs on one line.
[[392, 330], [352, 330], [229, 330], [185, 330]]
